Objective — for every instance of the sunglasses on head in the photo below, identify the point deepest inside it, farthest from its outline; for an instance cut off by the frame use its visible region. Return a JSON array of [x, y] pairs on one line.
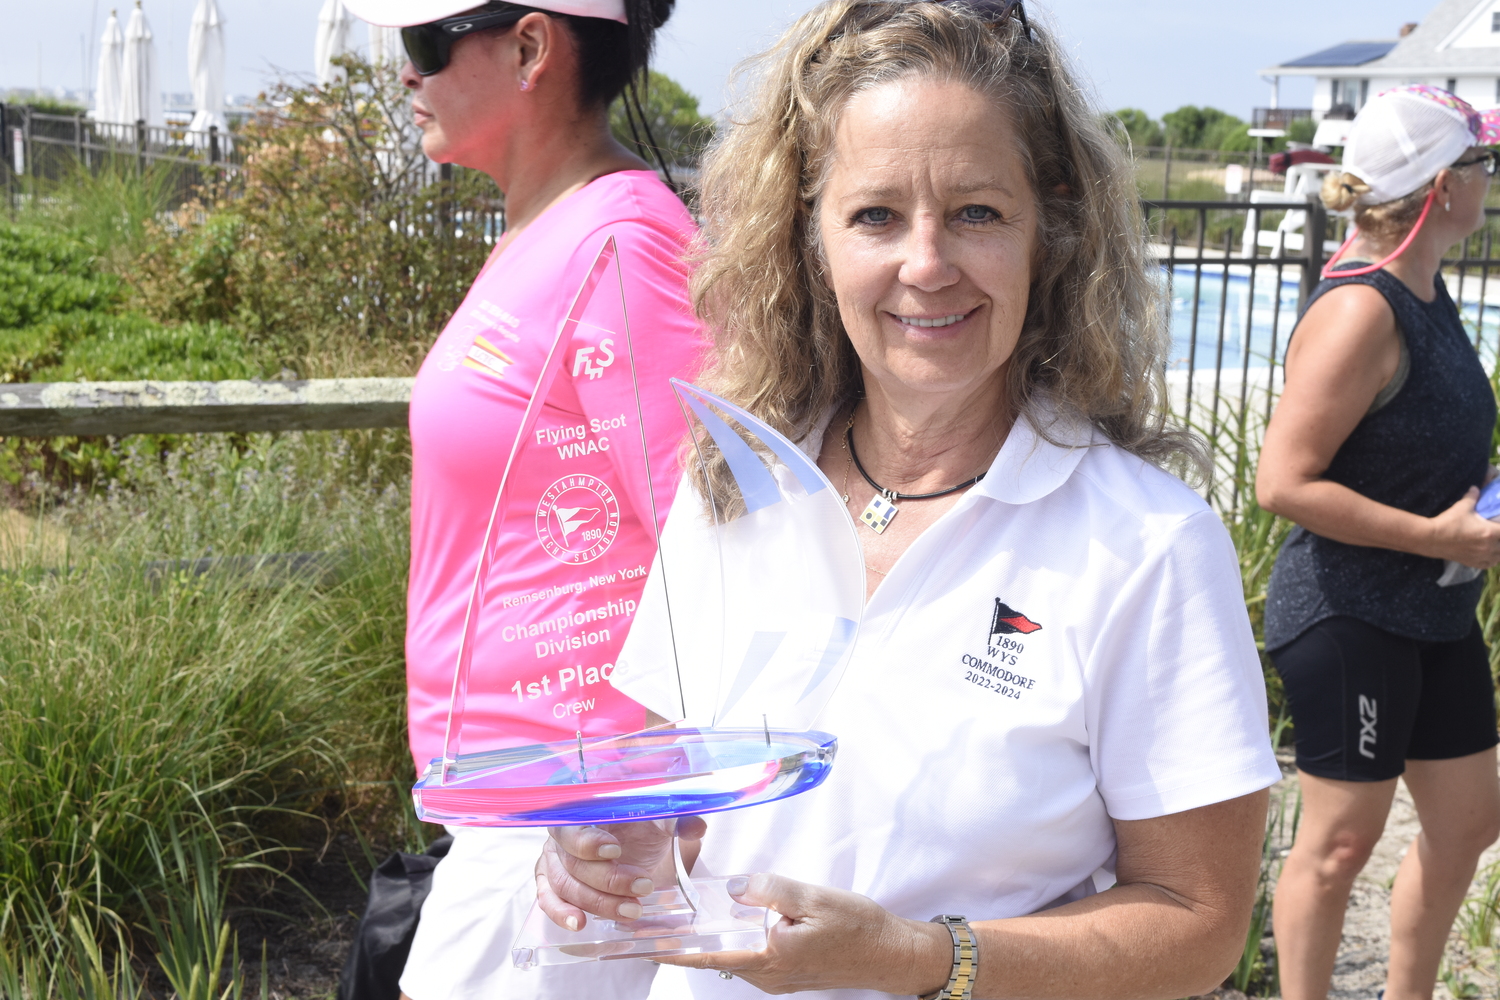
[[993, 11], [429, 46], [997, 11]]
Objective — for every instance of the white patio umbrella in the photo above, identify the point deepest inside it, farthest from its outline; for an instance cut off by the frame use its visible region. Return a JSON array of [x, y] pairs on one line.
[[206, 67], [109, 85], [142, 86], [333, 40], [385, 46]]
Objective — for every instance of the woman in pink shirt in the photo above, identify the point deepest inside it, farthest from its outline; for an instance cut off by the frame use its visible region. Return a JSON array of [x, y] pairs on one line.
[[522, 93]]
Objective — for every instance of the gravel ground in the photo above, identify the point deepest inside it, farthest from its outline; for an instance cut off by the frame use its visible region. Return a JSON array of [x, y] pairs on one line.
[[1360, 971]]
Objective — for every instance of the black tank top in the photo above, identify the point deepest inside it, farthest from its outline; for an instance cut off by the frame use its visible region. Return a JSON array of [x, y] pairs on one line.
[[1419, 452]]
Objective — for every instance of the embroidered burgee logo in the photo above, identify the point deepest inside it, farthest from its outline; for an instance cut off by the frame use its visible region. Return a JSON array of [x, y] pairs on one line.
[[1008, 621], [577, 519]]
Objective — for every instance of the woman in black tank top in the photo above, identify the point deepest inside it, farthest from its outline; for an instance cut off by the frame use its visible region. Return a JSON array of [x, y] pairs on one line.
[[1377, 449]]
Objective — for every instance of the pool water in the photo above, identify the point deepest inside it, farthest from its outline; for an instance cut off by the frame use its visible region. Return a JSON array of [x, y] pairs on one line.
[[1261, 311]]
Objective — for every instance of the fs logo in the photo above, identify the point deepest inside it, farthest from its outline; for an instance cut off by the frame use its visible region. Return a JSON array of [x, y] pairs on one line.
[[577, 519], [583, 364]]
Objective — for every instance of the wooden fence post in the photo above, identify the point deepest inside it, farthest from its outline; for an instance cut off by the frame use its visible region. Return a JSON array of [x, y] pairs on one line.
[[140, 147]]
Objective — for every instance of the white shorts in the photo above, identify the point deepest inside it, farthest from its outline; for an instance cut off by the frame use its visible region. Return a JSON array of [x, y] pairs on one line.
[[481, 894]]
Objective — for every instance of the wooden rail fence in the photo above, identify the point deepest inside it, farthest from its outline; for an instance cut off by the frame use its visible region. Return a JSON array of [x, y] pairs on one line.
[[50, 409]]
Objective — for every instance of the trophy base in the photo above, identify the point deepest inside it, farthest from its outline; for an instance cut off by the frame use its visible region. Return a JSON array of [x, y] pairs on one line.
[[655, 774], [669, 925]]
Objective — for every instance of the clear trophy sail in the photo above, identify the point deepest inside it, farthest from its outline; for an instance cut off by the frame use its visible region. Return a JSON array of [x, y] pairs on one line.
[[766, 562]]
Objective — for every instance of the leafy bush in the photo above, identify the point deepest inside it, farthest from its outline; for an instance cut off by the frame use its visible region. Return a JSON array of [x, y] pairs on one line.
[[59, 322], [45, 105], [336, 238], [42, 273], [1191, 127], [673, 118], [1301, 130], [1139, 128], [110, 348], [1234, 137]]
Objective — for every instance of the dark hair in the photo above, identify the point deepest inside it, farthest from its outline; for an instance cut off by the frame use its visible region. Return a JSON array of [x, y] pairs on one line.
[[611, 54]]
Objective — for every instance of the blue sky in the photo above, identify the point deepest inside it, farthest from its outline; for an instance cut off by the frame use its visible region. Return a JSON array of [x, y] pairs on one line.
[[1153, 54]]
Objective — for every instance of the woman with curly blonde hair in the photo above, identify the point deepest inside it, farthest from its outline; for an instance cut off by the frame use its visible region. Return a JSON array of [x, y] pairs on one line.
[[923, 261]]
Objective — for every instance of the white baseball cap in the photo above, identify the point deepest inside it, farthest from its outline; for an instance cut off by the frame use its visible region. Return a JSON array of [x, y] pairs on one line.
[[1403, 137], [405, 13]]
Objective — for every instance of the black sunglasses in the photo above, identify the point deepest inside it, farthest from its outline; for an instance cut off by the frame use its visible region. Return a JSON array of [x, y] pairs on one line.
[[429, 46], [998, 10], [1490, 158], [993, 11]]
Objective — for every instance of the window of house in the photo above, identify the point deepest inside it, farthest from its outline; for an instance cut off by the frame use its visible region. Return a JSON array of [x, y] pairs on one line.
[[1364, 92], [1452, 87], [1495, 21]]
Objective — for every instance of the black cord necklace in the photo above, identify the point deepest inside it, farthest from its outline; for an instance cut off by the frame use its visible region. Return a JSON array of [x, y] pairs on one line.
[[882, 510]]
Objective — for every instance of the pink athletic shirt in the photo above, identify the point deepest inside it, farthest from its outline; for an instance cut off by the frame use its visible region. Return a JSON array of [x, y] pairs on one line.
[[575, 549]]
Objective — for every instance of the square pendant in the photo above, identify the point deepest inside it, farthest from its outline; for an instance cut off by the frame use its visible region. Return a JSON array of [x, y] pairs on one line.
[[880, 513]]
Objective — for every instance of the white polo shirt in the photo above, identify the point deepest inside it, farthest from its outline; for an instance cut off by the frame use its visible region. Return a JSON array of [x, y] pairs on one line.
[[1067, 646]]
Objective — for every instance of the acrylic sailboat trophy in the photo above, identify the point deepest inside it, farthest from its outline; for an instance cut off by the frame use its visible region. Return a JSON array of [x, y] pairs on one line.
[[744, 628]]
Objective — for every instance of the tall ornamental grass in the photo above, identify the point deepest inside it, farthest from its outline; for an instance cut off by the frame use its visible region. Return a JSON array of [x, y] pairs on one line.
[[168, 724]]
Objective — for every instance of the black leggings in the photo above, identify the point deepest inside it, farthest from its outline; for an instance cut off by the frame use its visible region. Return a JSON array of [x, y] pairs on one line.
[[1364, 701]]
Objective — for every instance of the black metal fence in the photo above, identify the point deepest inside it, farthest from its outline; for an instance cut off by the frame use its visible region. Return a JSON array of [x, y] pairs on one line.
[[1234, 299], [422, 199], [49, 147]]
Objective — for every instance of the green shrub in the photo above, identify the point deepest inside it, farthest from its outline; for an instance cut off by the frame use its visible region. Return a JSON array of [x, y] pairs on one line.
[[198, 280], [48, 105], [1191, 127], [43, 273], [1135, 125], [333, 239], [1301, 130], [143, 706], [1235, 137], [681, 131], [114, 348]]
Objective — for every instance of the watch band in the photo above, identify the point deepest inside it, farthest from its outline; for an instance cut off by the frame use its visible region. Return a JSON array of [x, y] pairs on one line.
[[965, 960]]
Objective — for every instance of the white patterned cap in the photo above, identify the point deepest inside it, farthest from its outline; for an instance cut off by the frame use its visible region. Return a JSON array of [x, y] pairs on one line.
[[1403, 137], [405, 13]]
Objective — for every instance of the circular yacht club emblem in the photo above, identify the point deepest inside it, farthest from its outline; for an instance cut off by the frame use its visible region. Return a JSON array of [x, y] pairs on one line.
[[577, 519]]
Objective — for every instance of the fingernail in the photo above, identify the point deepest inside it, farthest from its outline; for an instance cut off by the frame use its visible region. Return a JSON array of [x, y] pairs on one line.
[[642, 886], [630, 911], [609, 851], [572, 923], [737, 885]]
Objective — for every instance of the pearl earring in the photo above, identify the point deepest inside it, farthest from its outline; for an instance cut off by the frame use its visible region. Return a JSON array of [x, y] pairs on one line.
[[1448, 205], [525, 84]]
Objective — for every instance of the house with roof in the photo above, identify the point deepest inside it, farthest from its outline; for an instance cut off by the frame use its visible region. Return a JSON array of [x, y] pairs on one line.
[[1457, 48]]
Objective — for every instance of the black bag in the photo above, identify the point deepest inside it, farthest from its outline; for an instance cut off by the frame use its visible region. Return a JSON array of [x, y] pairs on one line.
[[383, 941]]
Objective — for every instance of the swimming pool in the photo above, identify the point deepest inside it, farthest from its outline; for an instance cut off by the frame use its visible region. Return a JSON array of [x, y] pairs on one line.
[[1273, 308]]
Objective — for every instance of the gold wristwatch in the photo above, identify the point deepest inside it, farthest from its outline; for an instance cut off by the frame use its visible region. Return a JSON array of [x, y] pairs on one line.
[[965, 960]]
